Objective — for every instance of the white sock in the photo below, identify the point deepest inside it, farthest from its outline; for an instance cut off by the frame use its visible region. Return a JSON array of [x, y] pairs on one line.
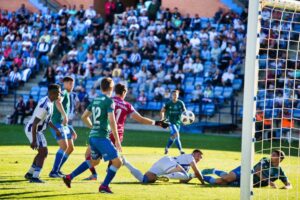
[[31, 170], [36, 173], [178, 176], [135, 172]]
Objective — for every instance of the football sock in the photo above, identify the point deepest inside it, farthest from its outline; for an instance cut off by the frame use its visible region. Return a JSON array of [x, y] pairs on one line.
[[169, 144], [219, 173], [63, 160], [36, 172], [178, 143], [92, 169], [209, 179], [80, 169], [135, 172], [111, 172], [178, 175], [32, 168], [58, 158]]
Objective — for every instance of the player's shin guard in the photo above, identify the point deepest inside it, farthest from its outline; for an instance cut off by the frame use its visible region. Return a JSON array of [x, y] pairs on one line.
[[111, 172], [92, 169], [58, 158], [80, 169], [135, 172], [209, 179], [178, 143]]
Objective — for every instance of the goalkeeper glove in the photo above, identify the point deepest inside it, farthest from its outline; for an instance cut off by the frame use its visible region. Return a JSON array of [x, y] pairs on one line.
[[162, 123]]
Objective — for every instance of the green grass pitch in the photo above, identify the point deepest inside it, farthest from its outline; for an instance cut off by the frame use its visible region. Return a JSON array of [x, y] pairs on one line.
[[142, 149]]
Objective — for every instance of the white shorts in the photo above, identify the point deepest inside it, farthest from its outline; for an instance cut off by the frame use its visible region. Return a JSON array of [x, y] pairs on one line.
[[163, 166], [40, 137]]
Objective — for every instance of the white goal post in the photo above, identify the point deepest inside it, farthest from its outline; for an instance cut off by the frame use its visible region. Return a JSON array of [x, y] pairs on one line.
[[251, 86]]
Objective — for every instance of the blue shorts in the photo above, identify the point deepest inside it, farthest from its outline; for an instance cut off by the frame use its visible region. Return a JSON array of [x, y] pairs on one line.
[[174, 129], [66, 132], [237, 172], [102, 148]]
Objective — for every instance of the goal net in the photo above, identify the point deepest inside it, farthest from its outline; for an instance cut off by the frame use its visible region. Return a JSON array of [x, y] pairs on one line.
[[271, 119]]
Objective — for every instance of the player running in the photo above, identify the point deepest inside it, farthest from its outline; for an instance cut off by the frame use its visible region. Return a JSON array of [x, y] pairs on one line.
[[173, 110], [35, 131], [122, 110], [169, 168], [266, 172], [60, 120]]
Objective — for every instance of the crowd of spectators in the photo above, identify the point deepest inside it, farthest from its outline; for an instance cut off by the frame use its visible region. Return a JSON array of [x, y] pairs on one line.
[[151, 49]]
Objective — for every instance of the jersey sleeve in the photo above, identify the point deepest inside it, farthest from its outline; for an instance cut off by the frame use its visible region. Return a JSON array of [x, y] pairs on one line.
[[110, 106], [130, 109], [41, 113], [282, 176]]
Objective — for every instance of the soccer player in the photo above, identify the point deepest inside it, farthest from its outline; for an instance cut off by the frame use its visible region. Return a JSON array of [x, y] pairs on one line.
[[101, 108], [169, 168], [60, 120], [122, 110], [266, 172], [34, 131], [173, 110]]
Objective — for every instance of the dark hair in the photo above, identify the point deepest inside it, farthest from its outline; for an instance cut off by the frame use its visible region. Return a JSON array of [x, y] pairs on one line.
[[280, 153], [175, 91], [106, 84], [53, 87], [120, 88], [67, 79], [197, 151]]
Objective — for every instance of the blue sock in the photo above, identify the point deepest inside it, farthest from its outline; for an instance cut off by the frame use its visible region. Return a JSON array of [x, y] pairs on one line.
[[170, 142], [59, 155], [209, 179], [80, 169], [111, 172], [63, 160], [178, 143], [220, 173], [145, 179]]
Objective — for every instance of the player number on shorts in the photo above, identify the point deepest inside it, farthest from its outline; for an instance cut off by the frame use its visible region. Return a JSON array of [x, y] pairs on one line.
[[96, 114], [118, 114]]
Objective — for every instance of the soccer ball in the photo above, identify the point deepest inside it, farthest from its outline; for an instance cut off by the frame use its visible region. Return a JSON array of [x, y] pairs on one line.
[[187, 117]]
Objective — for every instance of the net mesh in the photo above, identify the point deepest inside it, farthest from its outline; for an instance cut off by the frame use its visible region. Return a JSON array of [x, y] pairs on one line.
[[277, 119]]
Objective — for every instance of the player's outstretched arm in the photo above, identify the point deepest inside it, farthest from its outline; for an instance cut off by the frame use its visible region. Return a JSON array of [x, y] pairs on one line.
[[61, 109], [162, 113], [144, 120], [197, 172], [113, 126], [86, 119]]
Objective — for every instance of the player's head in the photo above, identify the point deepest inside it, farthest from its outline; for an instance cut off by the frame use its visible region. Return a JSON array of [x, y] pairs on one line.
[[175, 95], [107, 86], [276, 157], [197, 154], [54, 92], [68, 83], [121, 90]]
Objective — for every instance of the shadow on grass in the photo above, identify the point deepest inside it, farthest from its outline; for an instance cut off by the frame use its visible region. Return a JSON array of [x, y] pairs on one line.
[[55, 195], [12, 181], [13, 194]]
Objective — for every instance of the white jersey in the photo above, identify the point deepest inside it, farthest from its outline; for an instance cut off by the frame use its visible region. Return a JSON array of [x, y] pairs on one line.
[[43, 111], [185, 161]]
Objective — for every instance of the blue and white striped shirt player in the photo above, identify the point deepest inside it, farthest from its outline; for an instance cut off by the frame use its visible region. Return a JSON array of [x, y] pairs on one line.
[[43, 111]]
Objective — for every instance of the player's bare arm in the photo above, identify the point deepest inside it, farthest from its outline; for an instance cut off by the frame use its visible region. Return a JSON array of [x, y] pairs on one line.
[[197, 172], [144, 120], [86, 119], [113, 126], [162, 113]]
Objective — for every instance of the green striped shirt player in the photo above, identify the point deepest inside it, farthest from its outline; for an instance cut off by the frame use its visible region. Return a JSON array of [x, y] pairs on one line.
[[172, 111], [61, 111]]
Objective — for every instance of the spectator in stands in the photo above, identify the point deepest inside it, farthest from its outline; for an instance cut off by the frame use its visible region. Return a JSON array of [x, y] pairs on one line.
[[83, 99], [130, 97], [64, 43], [181, 91], [3, 87], [92, 94], [159, 92], [49, 76], [22, 13], [14, 78], [208, 94], [227, 78], [90, 12], [31, 62], [30, 106], [54, 50], [142, 99], [167, 95], [195, 41], [19, 110], [197, 94], [42, 48], [197, 67], [109, 9], [152, 10]]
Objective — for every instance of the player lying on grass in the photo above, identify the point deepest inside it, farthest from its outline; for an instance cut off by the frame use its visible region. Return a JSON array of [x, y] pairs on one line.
[[122, 110], [169, 168], [172, 111], [35, 131], [266, 172]]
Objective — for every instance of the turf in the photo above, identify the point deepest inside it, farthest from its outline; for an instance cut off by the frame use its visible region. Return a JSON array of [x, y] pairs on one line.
[[142, 149]]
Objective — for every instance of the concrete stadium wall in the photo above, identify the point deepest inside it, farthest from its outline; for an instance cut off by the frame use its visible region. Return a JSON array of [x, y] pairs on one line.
[[13, 5]]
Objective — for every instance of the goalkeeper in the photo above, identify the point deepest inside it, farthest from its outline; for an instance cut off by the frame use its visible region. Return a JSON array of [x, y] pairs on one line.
[[266, 172]]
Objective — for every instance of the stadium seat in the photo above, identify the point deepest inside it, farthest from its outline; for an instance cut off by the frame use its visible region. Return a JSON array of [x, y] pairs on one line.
[[208, 109], [228, 92], [199, 80], [189, 81], [189, 88], [188, 98], [25, 98], [152, 105], [237, 84], [35, 91], [43, 91], [89, 84], [218, 91]]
